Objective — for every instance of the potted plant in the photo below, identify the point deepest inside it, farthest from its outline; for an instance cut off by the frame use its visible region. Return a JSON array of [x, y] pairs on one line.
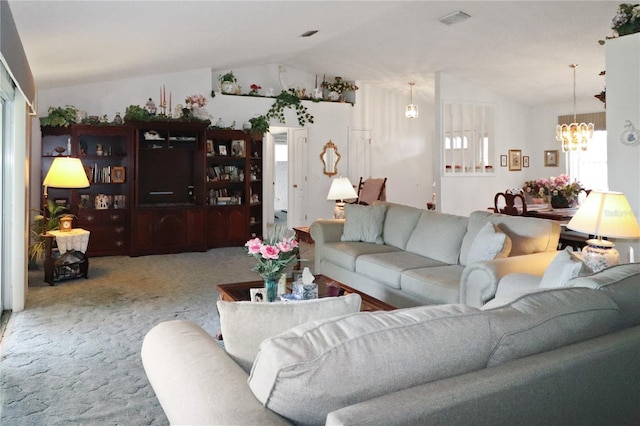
[[59, 116], [227, 81], [39, 227]]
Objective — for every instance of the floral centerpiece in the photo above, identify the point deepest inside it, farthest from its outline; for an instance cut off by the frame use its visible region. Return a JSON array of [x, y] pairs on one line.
[[560, 191], [339, 86], [254, 89], [194, 107], [274, 254], [627, 19]]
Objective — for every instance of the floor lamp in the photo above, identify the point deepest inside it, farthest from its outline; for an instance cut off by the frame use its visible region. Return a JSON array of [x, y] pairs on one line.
[[341, 189], [604, 214], [65, 172]]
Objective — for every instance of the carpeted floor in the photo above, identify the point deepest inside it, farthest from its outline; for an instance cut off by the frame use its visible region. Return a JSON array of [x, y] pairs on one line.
[[72, 357]]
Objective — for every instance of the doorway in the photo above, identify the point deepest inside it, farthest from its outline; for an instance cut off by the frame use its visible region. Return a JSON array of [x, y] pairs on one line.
[[285, 177]]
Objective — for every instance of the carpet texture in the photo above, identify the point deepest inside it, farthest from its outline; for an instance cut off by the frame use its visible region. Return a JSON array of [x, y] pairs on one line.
[[72, 356]]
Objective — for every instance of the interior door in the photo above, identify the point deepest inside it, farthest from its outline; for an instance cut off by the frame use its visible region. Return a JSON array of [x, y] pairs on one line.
[[298, 179], [359, 154]]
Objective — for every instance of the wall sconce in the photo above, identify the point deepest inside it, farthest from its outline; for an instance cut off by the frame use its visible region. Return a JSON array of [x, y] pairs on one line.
[[412, 110]]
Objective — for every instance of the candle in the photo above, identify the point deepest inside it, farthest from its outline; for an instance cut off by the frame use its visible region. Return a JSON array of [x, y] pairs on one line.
[[169, 102], [632, 257], [316, 86], [164, 95]]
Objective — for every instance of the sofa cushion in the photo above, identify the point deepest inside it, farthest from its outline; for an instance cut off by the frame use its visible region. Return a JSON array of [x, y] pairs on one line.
[[399, 223], [546, 320], [438, 284], [562, 268], [438, 236], [245, 324], [311, 370], [528, 235], [622, 284], [363, 223], [345, 254], [490, 243], [387, 267]]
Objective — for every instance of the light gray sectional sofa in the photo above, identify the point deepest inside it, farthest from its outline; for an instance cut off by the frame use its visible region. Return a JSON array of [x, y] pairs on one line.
[[410, 257], [564, 356]]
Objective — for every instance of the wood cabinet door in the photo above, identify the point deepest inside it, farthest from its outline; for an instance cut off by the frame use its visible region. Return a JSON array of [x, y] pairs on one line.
[[142, 230], [237, 225], [170, 229], [216, 227], [196, 238]]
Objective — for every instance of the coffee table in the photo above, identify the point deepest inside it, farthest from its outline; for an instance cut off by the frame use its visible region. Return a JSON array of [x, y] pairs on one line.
[[236, 292]]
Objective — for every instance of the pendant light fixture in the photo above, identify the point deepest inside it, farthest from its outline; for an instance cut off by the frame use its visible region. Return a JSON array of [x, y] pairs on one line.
[[574, 136], [412, 110]]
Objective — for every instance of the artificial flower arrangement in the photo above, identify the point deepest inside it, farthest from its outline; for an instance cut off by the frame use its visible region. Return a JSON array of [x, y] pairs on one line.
[[254, 89], [195, 102], [274, 253], [562, 191], [627, 19], [339, 86]]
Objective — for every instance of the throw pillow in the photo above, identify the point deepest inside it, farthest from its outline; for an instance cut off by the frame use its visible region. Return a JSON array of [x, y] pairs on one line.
[[565, 265], [319, 367], [490, 243], [363, 223], [245, 324]]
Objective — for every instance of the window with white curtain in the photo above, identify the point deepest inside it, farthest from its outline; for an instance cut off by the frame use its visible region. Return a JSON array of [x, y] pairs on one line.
[[590, 167]]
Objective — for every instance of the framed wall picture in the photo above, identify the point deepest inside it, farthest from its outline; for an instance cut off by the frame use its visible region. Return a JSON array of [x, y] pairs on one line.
[[503, 161], [515, 159], [117, 174], [551, 158], [525, 161]]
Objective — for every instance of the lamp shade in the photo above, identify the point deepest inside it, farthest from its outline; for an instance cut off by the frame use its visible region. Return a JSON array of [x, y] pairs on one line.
[[606, 214], [66, 172], [341, 189]]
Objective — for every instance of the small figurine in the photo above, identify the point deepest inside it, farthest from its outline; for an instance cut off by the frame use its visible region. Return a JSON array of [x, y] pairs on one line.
[[150, 106]]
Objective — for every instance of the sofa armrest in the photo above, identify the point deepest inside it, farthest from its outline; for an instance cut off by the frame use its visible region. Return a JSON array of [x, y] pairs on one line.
[[196, 381], [325, 231], [479, 280]]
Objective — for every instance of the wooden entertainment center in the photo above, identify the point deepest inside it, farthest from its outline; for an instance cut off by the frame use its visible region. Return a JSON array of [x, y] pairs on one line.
[[161, 186]]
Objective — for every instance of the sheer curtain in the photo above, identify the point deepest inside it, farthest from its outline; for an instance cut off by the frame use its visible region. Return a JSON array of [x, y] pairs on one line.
[[590, 167]]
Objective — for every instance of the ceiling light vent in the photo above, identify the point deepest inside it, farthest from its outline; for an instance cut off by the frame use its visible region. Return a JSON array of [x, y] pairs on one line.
[[309, 33], [454, 18]]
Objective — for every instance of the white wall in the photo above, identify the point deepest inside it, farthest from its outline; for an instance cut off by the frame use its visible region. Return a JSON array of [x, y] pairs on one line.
[[623, 103]]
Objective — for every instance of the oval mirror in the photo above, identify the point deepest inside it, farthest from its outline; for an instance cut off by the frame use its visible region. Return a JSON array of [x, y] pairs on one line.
[[330, 158]]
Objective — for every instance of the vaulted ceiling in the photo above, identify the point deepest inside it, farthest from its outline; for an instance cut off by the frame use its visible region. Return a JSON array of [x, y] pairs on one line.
[[520, 49]]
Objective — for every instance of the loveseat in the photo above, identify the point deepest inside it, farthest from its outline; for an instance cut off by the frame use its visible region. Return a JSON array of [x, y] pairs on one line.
[[557, 356], [407, 256]]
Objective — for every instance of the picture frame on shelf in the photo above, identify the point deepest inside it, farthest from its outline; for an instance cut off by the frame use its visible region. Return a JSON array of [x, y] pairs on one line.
[[525, 161], [209, 147], [515, 159], [551, 158], [503, 161], [237, 148], [222, 150], [118, 174]]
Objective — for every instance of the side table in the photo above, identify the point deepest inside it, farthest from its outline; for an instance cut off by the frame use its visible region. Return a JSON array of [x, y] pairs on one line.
[[71, 260]]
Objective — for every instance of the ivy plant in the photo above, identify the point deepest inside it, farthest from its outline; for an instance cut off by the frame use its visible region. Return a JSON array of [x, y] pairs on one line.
[[289, 99], [60, 116], [259, 124]]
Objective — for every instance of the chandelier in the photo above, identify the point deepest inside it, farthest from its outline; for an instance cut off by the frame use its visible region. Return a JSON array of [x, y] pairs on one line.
[[412, 110], [574, 136]]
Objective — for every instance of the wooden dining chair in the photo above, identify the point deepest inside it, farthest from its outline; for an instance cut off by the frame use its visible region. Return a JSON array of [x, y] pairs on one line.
[[370, 190], [511, 205]]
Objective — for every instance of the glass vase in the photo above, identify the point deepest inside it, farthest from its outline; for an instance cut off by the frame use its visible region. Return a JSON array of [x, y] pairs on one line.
[[271, 289]]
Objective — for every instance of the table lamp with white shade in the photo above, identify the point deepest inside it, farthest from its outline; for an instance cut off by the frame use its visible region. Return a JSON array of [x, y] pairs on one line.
[[604, 214], [65, 172], [341, 189]]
